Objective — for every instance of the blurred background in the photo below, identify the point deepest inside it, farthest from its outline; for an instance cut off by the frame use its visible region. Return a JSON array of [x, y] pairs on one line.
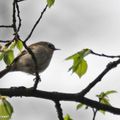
[[71, 26]]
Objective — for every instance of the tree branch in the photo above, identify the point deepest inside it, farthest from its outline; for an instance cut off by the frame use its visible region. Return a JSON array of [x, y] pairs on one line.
[[26, 92], [36, 23], [110, 66], [59, 109]]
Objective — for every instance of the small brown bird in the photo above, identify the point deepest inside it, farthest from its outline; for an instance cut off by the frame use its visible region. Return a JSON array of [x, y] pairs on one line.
[[43, 52]]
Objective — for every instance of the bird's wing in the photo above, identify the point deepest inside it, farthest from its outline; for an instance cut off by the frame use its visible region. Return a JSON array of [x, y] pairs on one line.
[[21, 54]]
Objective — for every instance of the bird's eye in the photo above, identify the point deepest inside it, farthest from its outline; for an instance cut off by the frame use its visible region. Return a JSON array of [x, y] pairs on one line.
[[51, 46]]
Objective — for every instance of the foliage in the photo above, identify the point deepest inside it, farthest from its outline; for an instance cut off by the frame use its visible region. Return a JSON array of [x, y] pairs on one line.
[[103, 98], [79, 66], [19, 45], [67, 117], [50, 3], [81, 105], [8, 56], [7, 51], [79, 63], [6, 109]]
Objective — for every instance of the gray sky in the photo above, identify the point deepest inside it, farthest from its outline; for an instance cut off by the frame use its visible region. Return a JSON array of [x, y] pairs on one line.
[[71, 26]]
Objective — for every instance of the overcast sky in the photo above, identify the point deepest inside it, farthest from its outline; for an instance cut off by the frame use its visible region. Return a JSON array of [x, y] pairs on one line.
[[71, 25]]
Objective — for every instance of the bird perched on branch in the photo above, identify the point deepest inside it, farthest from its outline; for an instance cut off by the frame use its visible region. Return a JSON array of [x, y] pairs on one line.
[[42, 51]]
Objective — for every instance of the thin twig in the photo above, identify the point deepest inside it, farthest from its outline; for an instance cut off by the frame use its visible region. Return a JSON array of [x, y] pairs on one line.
[[104, 55], [6, 26], [20, 0], [14, 17], [59, 109], [94, 113], [31, 53], [5, 41], [41, 15], [110, 66], [19, 18]]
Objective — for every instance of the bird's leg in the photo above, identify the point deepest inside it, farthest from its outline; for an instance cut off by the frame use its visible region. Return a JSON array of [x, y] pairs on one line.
[[37, 79]]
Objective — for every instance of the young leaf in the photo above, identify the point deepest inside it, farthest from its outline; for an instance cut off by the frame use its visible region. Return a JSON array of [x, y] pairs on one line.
[[110, 92], [82, 68], [74, 56], [80, 54], [101, 95], [50, 3], [6, 109], [103, 98], [79, 106], [19, 45], [79, 64], [105, 101], [12, 46], [102, 111], [105, 94], [67, 117], [8, 57], [1, 56], [0, 46]]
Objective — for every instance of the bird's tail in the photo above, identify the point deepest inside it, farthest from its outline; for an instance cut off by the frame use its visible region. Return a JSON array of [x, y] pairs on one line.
[[4, 72]]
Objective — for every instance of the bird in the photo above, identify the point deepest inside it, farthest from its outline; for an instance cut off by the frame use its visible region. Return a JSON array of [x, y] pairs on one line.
[[43, 52]]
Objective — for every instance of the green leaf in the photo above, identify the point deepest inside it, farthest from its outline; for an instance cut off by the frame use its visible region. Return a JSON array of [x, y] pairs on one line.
[[101, 95], [67, 117], [103, 98], [79, 64], [8, 57], [81, 68], [105, 101], [102, 111], [79, 106], [105, 94], [6, 109], [80, 54], [12, 46], [1, 56], [110, 92], [74, 56], [0, 46], [19, 45], [50, 3]]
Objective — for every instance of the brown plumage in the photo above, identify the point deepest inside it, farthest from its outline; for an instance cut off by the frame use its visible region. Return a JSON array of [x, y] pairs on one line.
[[43, 52]]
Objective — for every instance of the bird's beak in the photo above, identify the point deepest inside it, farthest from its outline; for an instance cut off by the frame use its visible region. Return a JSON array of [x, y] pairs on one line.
[[57, 49]]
